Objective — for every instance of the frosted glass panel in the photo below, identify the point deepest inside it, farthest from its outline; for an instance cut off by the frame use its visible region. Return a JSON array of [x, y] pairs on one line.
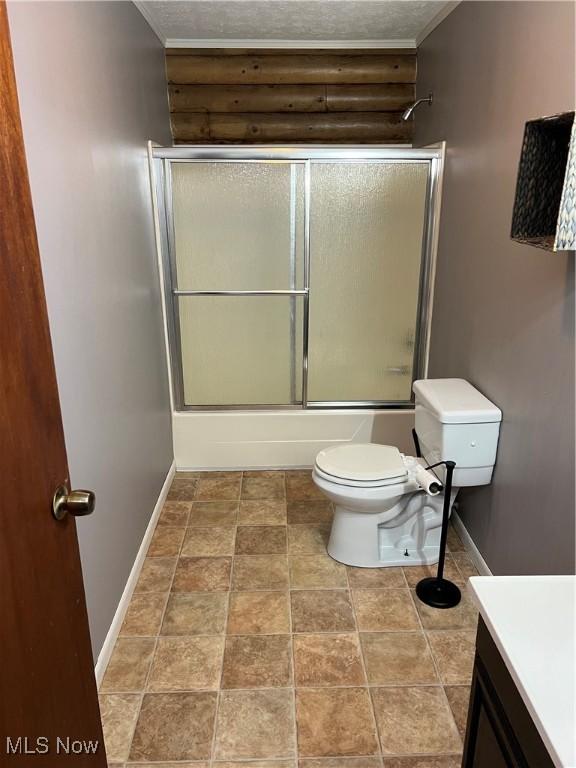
[[239, 350], [238, 226], [367, 222]]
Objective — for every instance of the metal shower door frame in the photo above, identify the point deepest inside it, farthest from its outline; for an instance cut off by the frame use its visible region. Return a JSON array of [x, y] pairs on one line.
[[163, 158]]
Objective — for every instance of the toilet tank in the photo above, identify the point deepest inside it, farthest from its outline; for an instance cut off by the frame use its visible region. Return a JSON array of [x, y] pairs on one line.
[[455, 422]]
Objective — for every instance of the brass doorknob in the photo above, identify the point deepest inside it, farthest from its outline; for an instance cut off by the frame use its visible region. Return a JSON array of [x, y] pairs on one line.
[[76, 503]]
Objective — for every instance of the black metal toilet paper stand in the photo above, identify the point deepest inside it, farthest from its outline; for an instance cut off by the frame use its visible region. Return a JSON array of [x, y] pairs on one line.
[[436, 591]]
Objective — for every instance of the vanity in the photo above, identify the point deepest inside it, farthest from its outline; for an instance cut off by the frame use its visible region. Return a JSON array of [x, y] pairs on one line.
[[523, 700]]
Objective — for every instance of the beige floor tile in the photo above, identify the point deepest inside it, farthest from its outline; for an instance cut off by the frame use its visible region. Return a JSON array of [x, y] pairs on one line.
[[256, 764], [428, 761], [182, 489], [186, 663], [218, 486], [144, 615], [454, 542], [175, 513], [255, 724], [458, 698], [166, 542], [340, 762], [415, 720], [202, 574], [259, 613], [416, 573], [327, 660], [198, 613], [453, 652], [254, 572], [129, 664], [322, 611], [375, 578], [384, 610], [261, 540], [156, 574], [263, 485], [262, 512], [301, 487], [257, 661], [175, 726], [462, 616], [465, 564], [397, 658], [316, 572], [209, 542], [119, 712], [309, 512], [179, 764], [335, 721], [255, 727], [308, 539], [205, 514]]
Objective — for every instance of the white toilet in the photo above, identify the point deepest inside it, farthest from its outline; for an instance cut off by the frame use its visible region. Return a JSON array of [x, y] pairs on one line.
[[388, 509]]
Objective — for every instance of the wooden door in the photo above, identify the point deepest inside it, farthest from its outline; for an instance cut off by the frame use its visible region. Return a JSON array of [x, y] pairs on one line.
[[48, 697]]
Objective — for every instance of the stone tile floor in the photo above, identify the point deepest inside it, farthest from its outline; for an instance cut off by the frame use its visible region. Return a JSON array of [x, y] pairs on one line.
[[246, 644]]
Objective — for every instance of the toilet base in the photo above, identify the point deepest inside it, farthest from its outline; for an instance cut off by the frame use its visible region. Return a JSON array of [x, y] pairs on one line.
[[403, 536]]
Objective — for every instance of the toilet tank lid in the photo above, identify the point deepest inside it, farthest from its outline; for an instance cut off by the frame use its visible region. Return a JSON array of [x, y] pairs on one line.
[[456, 401]]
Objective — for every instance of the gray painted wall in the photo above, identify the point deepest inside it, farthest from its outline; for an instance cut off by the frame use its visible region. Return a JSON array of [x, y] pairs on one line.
[[504, 312], [92, 92]]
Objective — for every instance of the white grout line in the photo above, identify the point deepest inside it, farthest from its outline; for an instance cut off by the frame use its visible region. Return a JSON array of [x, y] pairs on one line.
[[291, 628], [414, 597], [364, 669], [225, 635], [145, 685]]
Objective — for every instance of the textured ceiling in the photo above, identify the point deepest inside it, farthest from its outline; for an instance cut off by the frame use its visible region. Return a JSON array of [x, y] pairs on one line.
[[294, 20]]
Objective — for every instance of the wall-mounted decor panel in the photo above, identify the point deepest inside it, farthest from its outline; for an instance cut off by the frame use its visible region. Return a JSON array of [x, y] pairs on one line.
[[279, 68], [376, 97], [544, 206], [342, 127], [274, 96]]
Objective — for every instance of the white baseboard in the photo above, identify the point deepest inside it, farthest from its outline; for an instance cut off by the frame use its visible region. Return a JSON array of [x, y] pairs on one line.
[[109, 642], [468, 542]]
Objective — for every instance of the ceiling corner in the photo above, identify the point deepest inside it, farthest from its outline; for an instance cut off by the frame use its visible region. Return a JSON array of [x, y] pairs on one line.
[[445, 11], [141, 5]]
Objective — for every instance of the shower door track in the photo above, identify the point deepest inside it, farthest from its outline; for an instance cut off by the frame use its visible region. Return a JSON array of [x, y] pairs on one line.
[[162, 158]]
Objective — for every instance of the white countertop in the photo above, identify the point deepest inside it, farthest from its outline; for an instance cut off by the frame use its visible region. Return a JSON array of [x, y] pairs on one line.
[[532, 620]]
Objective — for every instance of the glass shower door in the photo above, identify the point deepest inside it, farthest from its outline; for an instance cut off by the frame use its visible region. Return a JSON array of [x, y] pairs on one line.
[[238, 271], [367, 224], [297, 277]]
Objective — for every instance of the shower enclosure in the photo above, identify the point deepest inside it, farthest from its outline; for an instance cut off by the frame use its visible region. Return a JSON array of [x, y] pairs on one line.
[[296, 277]]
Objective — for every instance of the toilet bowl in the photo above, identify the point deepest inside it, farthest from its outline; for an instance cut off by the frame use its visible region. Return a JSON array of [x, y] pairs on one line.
[[387, 505], [382, 515]]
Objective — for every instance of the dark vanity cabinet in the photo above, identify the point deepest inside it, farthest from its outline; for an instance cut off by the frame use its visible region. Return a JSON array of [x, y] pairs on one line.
[[500, 731]]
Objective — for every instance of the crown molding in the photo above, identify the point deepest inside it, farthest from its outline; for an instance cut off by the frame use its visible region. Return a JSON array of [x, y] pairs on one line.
[[143, 8], [289, 44], [438, 19]]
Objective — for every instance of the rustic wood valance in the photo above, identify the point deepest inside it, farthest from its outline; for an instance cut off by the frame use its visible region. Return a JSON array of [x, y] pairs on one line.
[[222, 96]]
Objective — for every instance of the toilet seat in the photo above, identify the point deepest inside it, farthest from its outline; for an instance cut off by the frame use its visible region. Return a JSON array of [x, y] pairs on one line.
[[358, 483], [362, 465]]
